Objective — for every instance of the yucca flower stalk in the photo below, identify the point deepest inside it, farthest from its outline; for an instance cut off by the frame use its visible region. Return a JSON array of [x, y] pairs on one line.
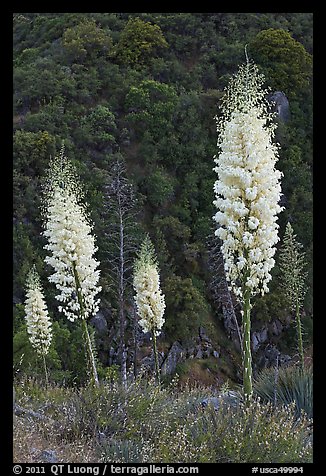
[[293, 277], [247, 194], [149, 299], [71, 244], [39, 326]]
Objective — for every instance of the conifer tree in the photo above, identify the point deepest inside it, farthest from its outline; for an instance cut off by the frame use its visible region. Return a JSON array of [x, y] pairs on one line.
[[120, 230]]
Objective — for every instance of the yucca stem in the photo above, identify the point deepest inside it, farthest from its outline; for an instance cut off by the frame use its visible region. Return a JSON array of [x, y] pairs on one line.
[[45, 372], [299, 333], [157, 371], [90, 354], [247, 363], [87, 339]]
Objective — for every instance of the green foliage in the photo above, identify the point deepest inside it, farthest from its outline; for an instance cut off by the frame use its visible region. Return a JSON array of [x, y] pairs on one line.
[[286, 63], [159, 187], [186, 308], [260, 433], [266, 308], [139, 41], [66, 358], [286, 385], [25, 255], [292, 265], [85, 41], [32, 149], [176, 233], [110, 374], [98, 129], [27, 362], [150, 107]]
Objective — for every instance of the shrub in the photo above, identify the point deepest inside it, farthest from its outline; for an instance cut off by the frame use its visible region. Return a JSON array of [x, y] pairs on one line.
[[139, 41], [86, 41], [159, 186], [256, 433], [147, 423], [285, 386]]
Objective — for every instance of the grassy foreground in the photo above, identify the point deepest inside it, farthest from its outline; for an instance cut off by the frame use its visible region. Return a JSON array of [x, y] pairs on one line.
[[144, 423]]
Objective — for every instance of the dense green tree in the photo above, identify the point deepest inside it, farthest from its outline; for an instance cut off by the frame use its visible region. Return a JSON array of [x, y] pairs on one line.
[[176, 233], [86, 41], [159, 187], [150, 107], [186, 308], [286, 63], [98, 128], [138, 41]]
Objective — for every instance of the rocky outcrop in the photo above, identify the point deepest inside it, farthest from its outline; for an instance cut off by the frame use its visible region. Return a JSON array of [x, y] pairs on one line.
[[266, 334], [258, 338], [100, 323], [277, 327], [221, 295], [176, 354], [48, 456], [228, 398], [271, 357], [200, 348], [280, 105], [148, 363]]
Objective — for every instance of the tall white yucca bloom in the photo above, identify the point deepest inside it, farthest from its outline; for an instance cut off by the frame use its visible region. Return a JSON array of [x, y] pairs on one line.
[[72, 248], [149, 298], [70, 243], [248, 187], [247, 192], [292, 267], [38, 322], [292, 279]]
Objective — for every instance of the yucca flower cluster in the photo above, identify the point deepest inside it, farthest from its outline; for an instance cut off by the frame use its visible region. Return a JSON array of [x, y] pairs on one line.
[[293, 279], [149, 298], [70, 242], [248, 187], [39, 326], [247, 192], [292, 266]]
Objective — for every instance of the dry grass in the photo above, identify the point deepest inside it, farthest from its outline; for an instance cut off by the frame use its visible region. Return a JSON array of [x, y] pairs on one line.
[[29, 443], [147, 423]]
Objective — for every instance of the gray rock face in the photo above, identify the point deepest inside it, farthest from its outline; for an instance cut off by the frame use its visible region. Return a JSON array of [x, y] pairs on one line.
[[100, 323], [199, 353], [229, 398], [148, 363], [176, 354], [215, 402], [49, 456], [280, 105], [111, 356], [16, 300], [272, 356], [277, 327], [203, 336], [258, 338]]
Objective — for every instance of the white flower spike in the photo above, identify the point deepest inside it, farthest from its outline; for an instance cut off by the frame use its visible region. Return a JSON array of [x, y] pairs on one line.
[[39, 326], [248, 187]]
